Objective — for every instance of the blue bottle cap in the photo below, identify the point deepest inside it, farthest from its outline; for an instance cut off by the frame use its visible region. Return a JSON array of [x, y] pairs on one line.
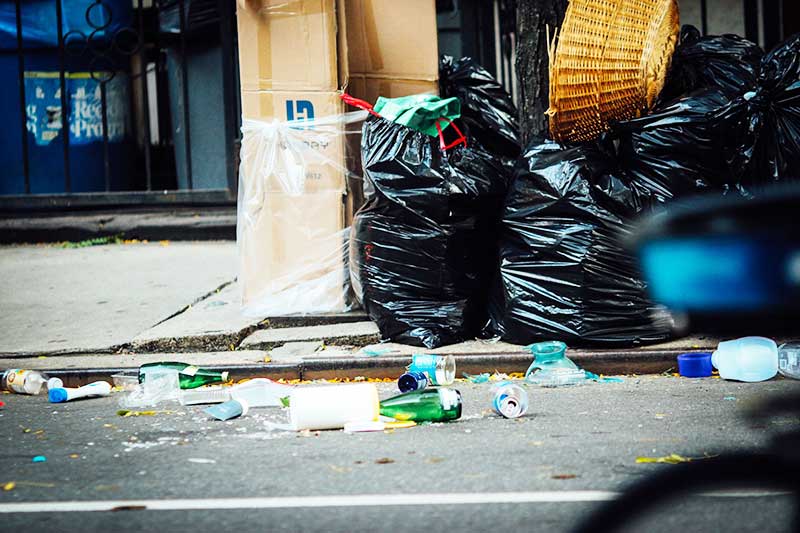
[[695, 365], [57, 395]]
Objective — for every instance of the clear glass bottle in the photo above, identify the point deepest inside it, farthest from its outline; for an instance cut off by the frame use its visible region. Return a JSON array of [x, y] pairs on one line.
[[189, 376], [789, 359], [428, 405]]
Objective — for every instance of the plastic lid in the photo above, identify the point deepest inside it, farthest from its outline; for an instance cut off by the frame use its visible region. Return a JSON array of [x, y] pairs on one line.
[[57, 395], [695, 364]]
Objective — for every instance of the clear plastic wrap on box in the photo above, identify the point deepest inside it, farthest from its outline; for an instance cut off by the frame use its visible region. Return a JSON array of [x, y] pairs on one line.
[[299, 184]]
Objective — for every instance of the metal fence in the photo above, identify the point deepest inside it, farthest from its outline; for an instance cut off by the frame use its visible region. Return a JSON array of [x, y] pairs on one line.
[[118, 102]]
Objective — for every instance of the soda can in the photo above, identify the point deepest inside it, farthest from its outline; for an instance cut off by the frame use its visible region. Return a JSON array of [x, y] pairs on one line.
[[510, 400], [412, 381]]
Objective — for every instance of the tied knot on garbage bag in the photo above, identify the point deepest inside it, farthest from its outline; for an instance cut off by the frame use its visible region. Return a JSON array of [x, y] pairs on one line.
[[422, 247]]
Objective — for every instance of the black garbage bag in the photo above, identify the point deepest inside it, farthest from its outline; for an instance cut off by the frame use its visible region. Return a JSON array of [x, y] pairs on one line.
[[486, 108], [677, 150], [728, 63], [763, 145], [565, 274], [424, 245]]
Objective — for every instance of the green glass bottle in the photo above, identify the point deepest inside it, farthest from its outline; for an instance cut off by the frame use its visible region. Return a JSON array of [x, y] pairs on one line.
[[427, 405], [189, 376]]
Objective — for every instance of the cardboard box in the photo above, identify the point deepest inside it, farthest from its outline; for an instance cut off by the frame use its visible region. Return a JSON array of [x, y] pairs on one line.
[[291, 252], [392, 39], [297, 159], [287, 45], [369, 88]]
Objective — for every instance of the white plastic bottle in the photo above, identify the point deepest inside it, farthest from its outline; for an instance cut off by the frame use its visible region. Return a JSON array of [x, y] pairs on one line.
[[261, 392], [746, 359], [23, 381]]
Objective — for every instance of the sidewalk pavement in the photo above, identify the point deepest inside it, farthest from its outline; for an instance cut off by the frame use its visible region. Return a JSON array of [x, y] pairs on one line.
[[87, 312]]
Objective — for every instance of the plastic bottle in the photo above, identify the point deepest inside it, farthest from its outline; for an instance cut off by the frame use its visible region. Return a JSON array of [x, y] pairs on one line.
[[412, 381], [789, 359], [510, 400], [429, 405], [746, 359], [189, 376], [440, 369], [332, 406], [23, 381], [62, 394]]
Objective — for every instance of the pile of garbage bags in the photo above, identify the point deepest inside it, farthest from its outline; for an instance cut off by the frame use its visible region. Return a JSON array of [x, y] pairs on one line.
[[488, 239]]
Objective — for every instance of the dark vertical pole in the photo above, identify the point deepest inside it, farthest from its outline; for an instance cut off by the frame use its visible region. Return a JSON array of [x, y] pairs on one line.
[[230, 89], [773, 25], [751, 20], [23, 117], [704, 17], [187, 138], [64, 100], [145, 98], [104, 109]]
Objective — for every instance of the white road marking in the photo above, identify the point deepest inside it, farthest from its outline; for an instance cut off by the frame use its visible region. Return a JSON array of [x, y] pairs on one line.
[[341, 500]]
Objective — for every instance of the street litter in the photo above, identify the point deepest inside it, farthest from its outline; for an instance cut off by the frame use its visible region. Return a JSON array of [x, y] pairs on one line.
[[477, 378], [332, 406], [24, 381], [189, 376], [375, 352], [39, 459], [201, 460], [509, 400], [377, 425], [228, 410], [789, 360], [95, 389], [440, 369], [746, 359], [257, 392], [429, 405], [695, 365], [551, 368], [161, 385], [412, 381]]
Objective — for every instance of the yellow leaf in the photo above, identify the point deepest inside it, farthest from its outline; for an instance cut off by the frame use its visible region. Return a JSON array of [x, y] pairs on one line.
[[267, 359], [9, 486], [671, 459]]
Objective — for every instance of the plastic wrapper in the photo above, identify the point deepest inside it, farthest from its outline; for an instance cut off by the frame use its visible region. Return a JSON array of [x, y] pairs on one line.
[[763, 139], [728, 63], [565, 274], [676, 150], [292, 211], [486, 108], [423, 246]]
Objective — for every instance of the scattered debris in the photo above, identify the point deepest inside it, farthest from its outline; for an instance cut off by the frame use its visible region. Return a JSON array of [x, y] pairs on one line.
[[201, 460], [39, 459], [671, 459], [384, 461], [730, 398], [9, 486], [127, 412], [477, 378], [563, 476]]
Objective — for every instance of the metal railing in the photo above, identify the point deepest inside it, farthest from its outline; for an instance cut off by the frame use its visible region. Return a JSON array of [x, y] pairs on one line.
[[119, 101]]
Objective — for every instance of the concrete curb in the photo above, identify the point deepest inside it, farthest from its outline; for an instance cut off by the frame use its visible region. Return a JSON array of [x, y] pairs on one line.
[[608, 362]]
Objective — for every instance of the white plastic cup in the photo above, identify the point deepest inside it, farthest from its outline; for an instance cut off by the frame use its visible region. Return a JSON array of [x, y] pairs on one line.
[[747, 359], [333, 406]]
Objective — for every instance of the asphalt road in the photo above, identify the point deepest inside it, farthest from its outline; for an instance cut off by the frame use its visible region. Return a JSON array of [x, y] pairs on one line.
[[543, 472]]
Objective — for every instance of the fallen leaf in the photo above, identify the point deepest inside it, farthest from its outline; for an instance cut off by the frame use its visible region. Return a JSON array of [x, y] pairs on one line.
[[267, 359], [107, 487], [73, 456], [339, 469], [129, 508], [563, 476], [434, 460], [384, 461], [9, 486], [671, 459]]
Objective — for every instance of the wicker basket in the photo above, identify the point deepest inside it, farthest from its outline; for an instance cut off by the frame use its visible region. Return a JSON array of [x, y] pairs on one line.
[[610, 63]]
